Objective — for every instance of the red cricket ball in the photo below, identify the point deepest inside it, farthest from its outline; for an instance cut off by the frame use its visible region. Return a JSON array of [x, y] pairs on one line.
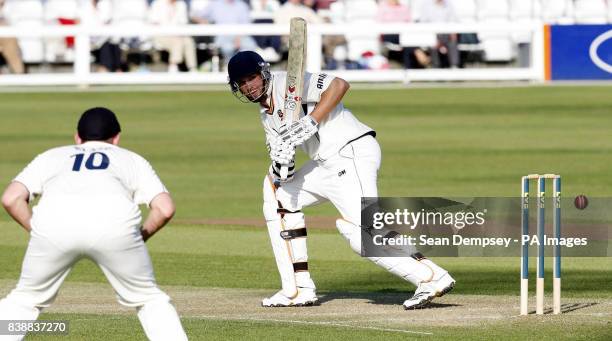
[[581, 202]]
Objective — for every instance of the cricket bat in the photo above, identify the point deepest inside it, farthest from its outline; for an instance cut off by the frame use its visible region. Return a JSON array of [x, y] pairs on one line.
[[296, 65]]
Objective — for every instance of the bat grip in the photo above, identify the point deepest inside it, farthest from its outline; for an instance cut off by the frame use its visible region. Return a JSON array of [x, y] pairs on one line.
[[284, 172]]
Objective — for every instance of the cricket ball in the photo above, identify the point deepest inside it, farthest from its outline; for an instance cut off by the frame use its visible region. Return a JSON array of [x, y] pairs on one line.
[[581, 202]]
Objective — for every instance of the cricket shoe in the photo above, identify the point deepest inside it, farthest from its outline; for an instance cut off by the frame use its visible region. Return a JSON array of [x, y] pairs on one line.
[[426, 292], [305, 297]]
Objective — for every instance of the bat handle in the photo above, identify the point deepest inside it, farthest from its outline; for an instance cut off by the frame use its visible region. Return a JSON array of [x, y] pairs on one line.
[[284, 172]]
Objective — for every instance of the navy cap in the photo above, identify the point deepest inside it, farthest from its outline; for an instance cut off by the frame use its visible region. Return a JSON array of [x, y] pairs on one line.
[[98, 124]]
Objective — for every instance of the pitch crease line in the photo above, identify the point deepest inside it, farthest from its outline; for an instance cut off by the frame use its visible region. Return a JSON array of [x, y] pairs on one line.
[[333, 324]]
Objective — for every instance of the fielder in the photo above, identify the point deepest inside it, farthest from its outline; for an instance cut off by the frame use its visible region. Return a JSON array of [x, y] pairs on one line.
[[88, 208], [345, 158]]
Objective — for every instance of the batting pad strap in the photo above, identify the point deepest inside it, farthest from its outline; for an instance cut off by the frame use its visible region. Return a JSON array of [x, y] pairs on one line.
[[292, 234], [301, 266], [286, 211], [418, 256]]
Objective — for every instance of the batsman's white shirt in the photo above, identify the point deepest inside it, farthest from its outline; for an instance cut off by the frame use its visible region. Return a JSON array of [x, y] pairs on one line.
[[335, 131], [343, 167], [95, 186]]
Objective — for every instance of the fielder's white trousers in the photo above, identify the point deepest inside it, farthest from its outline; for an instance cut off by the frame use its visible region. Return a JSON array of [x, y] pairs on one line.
[[121, 255]]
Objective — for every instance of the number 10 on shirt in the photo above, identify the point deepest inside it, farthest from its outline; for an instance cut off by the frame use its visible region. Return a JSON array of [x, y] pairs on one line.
[[92, 162]]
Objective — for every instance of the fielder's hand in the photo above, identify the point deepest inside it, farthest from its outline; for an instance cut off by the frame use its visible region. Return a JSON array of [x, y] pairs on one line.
[[299, 131]]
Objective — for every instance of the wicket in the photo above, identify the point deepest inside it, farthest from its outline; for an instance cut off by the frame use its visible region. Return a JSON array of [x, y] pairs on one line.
[[541, 181]]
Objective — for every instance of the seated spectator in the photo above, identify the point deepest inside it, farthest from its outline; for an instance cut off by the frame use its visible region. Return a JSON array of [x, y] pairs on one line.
[[312, 4], [265, 6], [180, 48], [62, 12], [442, 11], [228, 12], [392, 11], [296, 8], [270, 45], [138, 49], [106, 50], [323, 4], [10, 49]]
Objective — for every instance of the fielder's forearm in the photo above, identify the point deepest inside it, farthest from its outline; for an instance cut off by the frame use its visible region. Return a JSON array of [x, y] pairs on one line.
[[330, 99], [15, 202], [155, 221], [20, 211], [162, 210]]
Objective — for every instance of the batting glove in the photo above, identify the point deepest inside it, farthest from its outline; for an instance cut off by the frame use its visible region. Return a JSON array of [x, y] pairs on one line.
[[280, 152], [300, 131]]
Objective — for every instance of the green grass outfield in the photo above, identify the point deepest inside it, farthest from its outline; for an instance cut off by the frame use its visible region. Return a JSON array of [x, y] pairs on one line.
[[208, 148]]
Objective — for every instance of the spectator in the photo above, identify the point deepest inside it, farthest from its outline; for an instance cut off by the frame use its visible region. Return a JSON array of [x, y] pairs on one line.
[[9, 48], [60, 12], [265, 6], [228, 12], [392, 11], [131, 14], [312, 4], [323, 4], [270, 45], [442, 11], [105, 49], [181, 48], [295, 8]]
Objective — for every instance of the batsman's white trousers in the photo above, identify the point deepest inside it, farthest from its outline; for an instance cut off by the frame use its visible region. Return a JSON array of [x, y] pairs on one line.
[[343, 179], [119, 252]]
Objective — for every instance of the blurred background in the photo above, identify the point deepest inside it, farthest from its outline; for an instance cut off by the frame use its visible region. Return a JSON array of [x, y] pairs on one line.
[[361, 40]]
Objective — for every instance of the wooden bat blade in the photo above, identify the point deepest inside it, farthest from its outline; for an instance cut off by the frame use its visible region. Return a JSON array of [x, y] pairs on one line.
[[296, 66]]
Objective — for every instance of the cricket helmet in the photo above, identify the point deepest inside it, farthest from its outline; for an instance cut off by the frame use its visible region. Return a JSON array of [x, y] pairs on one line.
[[243, 64]]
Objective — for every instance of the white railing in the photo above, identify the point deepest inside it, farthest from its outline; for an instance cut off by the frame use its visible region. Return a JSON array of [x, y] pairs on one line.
[[82, 74]]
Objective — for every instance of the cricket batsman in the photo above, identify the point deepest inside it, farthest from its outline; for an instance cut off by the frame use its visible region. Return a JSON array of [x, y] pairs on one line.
[[343, 166], [88, 208]]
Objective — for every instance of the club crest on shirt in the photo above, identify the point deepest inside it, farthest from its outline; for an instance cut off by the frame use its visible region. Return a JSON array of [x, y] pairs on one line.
[[280, 114]]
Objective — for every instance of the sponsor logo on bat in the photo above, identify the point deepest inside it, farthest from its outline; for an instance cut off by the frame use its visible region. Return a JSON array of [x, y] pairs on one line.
[[290, 104]]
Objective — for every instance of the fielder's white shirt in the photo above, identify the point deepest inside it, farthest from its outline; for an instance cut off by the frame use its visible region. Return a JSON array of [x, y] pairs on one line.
[[335, 131], [95, 184]]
